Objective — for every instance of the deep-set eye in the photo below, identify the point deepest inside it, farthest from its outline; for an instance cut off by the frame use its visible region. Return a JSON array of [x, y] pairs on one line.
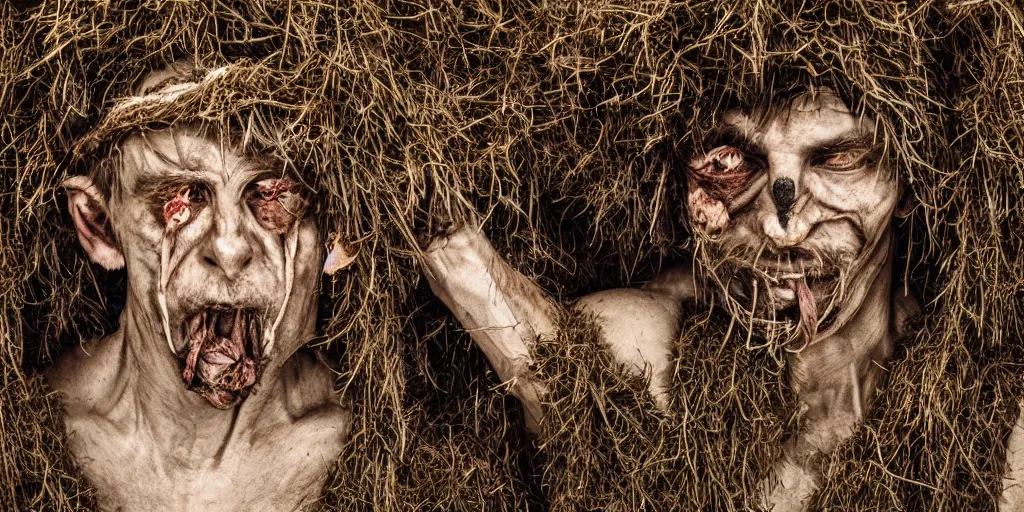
[[841, 160], [276, 203], [196, 194], [183, 205], [726, 159]]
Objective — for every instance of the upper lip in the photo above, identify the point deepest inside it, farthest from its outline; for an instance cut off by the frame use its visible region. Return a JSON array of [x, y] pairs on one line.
[[193, 312], [223, 306]]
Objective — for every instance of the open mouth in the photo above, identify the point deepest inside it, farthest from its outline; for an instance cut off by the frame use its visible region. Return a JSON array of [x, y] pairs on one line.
[[788, 291], [810, 299], [222, 357], [806, 295]]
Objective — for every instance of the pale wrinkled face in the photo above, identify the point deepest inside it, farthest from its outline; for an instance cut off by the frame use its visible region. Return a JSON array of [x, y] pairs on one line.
[[791, 210], [220, 245]]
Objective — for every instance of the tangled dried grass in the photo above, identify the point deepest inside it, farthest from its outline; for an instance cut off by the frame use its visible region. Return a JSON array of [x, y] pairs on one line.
[[565, 123]]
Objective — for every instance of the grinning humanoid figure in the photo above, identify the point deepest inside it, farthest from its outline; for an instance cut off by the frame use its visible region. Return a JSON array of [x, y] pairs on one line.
[[201, 400], [794, 213]]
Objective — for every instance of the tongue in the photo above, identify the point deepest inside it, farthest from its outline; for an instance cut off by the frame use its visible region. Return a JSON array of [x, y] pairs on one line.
[[217, 365], [808, 309]]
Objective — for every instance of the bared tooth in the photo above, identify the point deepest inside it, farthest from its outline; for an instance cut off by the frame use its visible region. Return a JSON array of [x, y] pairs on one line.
[[253, 332], [236, 330], [195, 327]]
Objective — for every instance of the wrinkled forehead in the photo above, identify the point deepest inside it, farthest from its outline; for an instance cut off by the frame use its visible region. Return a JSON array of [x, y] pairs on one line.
[[183, 153], [808, 119]]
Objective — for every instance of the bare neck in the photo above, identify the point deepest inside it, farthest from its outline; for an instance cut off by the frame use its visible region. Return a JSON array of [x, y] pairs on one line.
[[152, 396], [835, 377], [865, 335]]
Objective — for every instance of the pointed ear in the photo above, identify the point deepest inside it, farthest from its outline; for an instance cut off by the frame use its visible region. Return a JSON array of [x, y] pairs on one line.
[[340, 256], [89, 213]]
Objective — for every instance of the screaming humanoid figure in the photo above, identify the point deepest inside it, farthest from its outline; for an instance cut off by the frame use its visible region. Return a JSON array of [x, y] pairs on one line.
[[796, 211], [201, 400]]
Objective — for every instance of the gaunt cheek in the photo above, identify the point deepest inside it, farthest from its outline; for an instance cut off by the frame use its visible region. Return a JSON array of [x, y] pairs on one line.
[[277, 204]]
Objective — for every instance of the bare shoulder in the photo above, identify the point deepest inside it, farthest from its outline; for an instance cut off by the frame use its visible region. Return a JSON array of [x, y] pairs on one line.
[[658, 303], [634, 315], [87, 374], [640, 325]]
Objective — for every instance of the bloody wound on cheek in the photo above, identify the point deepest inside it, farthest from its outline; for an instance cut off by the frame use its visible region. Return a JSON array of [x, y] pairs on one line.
[[715, 179]]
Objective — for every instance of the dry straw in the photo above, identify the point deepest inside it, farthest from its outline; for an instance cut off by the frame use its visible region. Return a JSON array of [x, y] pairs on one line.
[[565, 125]]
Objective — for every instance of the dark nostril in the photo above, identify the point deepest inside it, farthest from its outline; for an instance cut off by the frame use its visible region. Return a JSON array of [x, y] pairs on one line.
[[784, 194], [210, 261]]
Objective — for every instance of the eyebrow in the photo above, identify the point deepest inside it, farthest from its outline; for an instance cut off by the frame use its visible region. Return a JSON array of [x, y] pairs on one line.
[[844, 143], [729, 135], [151, 186], [148, 186]]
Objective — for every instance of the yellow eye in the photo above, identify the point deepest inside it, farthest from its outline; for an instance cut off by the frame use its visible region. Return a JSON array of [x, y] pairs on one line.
[[841, 160]]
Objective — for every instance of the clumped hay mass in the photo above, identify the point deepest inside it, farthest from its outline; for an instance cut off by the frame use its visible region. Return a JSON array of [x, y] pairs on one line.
[[567, 125]]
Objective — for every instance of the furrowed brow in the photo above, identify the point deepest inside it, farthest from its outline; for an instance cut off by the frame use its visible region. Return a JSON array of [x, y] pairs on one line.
[[845, 143], [150, 186], [729, 135]]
